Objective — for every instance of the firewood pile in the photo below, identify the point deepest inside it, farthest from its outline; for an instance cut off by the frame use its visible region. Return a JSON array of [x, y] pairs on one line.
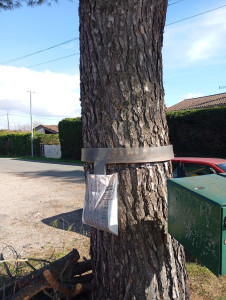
[[65, 278]]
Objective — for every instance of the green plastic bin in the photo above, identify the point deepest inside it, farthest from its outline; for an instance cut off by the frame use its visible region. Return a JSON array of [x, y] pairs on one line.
[[197, 218]]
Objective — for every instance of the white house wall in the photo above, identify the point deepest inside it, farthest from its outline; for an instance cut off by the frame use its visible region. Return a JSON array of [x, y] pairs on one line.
[[41, 130]]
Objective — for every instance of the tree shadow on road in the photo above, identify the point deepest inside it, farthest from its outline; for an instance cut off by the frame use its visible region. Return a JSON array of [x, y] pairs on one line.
[[71, 221], [76, 176]]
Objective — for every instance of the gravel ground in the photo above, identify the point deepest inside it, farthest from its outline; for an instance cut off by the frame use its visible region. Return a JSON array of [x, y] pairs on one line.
[[40, 214]]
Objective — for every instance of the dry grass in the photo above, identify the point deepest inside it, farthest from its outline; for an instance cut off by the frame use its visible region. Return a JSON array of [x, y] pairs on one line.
[[204, 285]]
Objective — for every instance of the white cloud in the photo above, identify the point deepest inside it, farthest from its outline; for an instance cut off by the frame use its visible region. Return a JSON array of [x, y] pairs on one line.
[[69, 45], [55, 94], [208, 41], [201, 49], [196, 40], [190, 96]]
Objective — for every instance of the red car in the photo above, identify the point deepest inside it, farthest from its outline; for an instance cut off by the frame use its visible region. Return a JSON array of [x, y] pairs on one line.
[[195, 166]]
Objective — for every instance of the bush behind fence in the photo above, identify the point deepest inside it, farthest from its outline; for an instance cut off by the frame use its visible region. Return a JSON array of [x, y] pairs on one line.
[[19, 143]]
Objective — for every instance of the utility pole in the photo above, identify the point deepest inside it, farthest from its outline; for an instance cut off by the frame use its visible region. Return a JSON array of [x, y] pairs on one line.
[[8, 120], [32, 134]]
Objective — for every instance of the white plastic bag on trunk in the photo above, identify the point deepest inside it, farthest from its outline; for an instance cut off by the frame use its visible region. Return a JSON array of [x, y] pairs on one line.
[[101, 202]]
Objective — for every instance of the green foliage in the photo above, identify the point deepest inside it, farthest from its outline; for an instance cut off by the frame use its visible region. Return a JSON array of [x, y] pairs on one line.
[[19, 143], [15, 143], [55, 223], [197, 270], [199, 132], [46, 139], [205, 285], [70, 134], [11, 4]]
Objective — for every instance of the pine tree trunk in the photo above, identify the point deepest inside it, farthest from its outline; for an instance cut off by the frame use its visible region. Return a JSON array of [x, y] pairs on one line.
[[123, 106]]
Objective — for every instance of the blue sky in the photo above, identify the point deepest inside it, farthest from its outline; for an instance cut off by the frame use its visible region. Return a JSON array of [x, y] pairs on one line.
[[194, 56], [194, 52]]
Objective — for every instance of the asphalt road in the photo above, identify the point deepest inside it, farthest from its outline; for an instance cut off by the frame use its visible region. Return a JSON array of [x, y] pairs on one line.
[[61, 171]]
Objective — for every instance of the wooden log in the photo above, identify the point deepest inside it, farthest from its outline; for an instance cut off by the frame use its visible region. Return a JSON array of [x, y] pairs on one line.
[[78, 289], [51, 280], [30, 285], [86, 278], [28, 292], [70, 293], [14, 260], [81, 267]]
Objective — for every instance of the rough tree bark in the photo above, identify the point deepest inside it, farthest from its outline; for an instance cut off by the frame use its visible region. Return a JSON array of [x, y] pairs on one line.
[[122, 106]]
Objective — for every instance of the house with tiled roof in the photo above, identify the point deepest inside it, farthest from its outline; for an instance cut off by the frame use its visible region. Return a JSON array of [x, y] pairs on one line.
[[200, 102], [47, 129]]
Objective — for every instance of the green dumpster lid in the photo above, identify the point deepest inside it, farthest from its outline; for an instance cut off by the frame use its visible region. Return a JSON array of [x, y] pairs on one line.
[[212, 187]]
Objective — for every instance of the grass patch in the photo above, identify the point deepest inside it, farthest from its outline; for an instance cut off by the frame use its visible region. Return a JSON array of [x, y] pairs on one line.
[[204, 285], [63, 224]]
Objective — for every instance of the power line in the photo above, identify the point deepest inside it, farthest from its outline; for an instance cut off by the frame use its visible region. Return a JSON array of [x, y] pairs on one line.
[[27, 55], [49, 61], [19, 116], [73, 39], [48, 118], [174, 2], [193, 16], [202, 13]]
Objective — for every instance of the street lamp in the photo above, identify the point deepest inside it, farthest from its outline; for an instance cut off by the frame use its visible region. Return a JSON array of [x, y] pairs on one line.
[[32, 135]]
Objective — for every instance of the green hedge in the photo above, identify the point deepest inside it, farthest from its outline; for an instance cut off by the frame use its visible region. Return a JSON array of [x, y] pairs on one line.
[[199, 132], [19, 144], [70, 134], [16, 144], [47, 139]]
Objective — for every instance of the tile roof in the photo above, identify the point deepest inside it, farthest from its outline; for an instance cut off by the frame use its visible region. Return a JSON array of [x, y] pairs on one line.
[[200, 102], [53, 128]]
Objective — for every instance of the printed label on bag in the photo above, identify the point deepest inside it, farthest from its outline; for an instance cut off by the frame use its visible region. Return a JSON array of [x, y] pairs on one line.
[[101, 202]]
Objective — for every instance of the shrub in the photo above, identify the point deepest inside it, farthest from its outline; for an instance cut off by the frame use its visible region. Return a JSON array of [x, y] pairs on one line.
[[19, 143], [16, 144], [70, 134], [199, 132]]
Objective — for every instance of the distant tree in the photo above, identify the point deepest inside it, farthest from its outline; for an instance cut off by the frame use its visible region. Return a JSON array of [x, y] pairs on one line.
[[26, 127], [11, 4]]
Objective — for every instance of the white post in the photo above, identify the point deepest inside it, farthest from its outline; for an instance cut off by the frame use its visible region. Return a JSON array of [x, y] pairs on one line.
[[32, 135], [8, 120]]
